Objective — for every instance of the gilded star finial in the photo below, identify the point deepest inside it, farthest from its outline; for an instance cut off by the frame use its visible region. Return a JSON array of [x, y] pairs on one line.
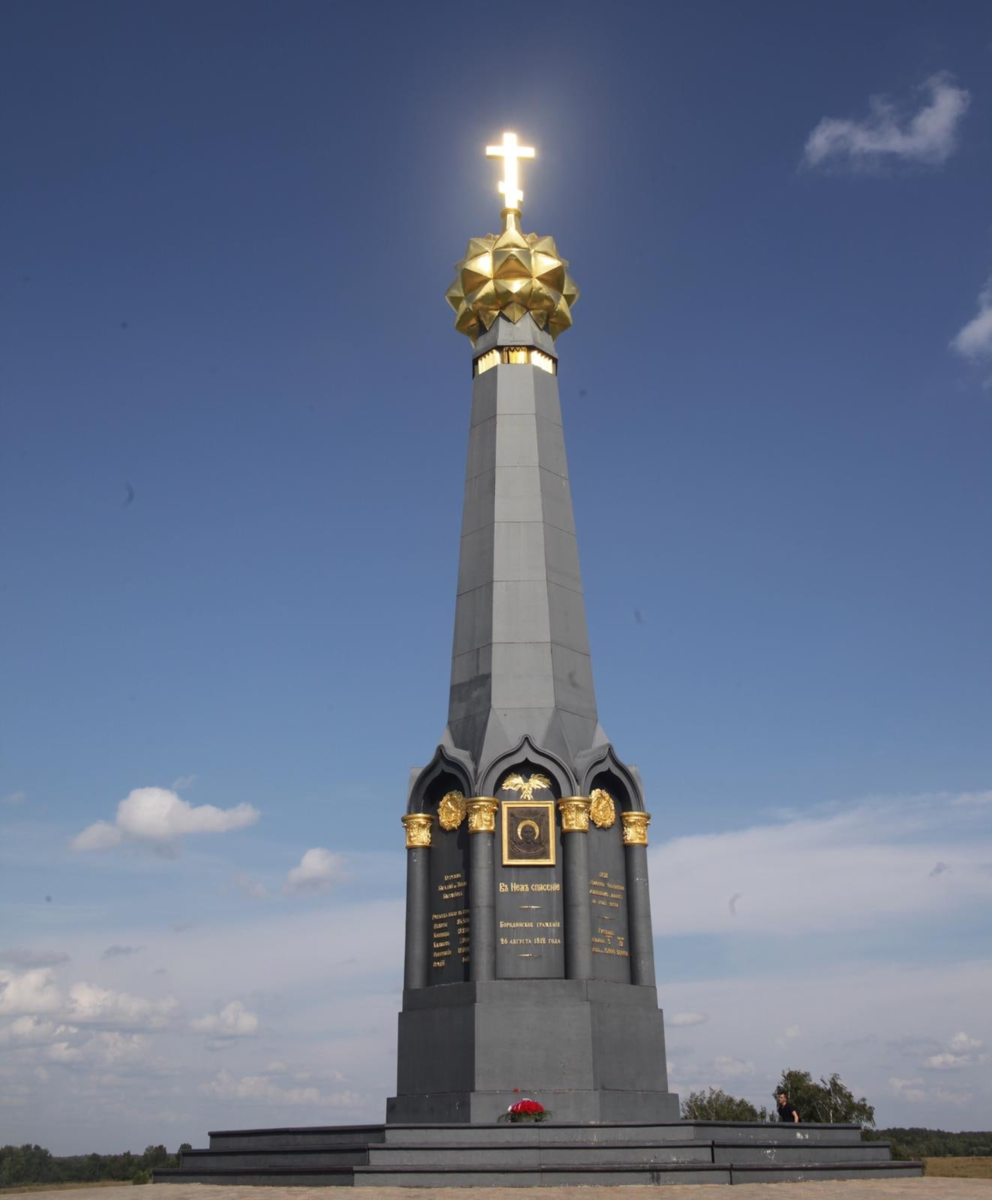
[[510, 153], [513, 273]]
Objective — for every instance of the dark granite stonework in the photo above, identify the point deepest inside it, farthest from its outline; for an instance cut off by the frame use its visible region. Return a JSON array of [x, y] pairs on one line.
[[546, 1155], [528, 975]]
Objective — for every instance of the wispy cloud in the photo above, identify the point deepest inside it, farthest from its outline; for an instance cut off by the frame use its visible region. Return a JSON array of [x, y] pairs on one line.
[[974, 340], [251, 887], [233, 1020], [117, 951], [893, 134], [317, 870], [680, 1019], [159, 816], [15, 798], [863, 865], [22, 956]]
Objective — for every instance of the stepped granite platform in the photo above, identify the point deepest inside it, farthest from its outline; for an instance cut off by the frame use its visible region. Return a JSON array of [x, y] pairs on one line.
[[529, 1155]]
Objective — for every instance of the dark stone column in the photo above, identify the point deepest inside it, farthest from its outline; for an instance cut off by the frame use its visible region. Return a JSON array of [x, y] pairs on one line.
[[481, 882], [635, 842], [575, 851], [416, 966]]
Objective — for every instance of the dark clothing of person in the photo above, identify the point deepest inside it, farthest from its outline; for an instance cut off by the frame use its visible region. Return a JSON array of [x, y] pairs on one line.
[[787, 1113]]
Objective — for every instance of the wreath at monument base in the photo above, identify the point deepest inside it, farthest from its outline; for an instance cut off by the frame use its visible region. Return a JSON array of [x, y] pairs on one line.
[[525, 1110]]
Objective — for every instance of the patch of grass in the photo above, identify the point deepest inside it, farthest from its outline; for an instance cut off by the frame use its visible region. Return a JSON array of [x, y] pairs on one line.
[[959, 1168]]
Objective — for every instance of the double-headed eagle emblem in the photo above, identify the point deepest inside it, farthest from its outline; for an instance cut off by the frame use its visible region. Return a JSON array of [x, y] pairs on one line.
[[526, 787]]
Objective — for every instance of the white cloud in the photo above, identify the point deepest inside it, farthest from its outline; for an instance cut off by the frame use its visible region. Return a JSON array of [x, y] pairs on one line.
[[678, 1020], [158, 815], [15, 797], [927, 136], [99, 836], [908, 1089], [947, 1062], [792, 1032], [233, 1020], [732, 1068], [32, 992], [257, 1087], [975, 339], [101, 1049], [318, 869], [183, 782], [961, 1043], [29, 1031], [89, 1003], [859, 866]]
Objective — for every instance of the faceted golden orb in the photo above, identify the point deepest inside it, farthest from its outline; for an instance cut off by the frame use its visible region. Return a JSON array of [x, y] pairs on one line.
[[512, 274]]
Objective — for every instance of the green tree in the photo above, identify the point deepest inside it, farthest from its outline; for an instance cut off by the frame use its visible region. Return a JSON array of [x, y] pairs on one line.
[[829, 1102], [716, 1105]]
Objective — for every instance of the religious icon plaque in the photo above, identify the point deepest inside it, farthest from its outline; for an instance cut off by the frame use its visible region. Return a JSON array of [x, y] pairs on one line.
[[528, 833]]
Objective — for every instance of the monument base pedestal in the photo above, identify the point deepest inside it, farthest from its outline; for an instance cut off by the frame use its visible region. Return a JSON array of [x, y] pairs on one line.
[[544, 1155], [588, 1050]]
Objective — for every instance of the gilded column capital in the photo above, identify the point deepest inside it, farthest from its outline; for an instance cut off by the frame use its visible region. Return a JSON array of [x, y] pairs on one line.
[[482, 814], [635, 828], [418, 829], [574, 814]]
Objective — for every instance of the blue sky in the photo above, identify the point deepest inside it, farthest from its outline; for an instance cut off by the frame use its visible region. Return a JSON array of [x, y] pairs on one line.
[[235, 419]]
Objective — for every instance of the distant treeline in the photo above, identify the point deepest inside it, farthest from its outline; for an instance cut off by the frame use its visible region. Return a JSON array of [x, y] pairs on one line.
[[33, 1164], [934, 1143]]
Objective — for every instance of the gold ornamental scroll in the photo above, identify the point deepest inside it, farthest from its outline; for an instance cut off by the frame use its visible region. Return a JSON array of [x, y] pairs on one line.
[[418, 830], [482, 814], [602, 809], [451, 811], [635, 828], [574, 814]]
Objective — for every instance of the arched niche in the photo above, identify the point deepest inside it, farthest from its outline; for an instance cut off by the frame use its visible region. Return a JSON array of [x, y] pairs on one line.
[[447, 933], [442, 774], [608, 772], [608, 882]]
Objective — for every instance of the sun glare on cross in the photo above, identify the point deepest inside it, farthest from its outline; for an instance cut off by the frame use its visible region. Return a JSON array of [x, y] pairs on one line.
[[510, 153]]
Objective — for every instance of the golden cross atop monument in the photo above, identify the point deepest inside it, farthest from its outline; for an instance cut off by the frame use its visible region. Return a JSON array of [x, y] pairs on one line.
[[509, 152]]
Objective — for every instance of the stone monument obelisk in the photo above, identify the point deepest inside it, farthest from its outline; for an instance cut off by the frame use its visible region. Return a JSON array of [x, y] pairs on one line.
[[529, 966], [529, 958]]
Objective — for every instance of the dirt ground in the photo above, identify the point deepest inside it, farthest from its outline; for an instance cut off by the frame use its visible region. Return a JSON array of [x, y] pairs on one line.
[[928, 1188]]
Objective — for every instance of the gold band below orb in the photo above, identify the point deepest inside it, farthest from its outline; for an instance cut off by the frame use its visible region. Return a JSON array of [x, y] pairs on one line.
[[418, 830], [451, 811], [482, 814], [635, 828], [574, 814]]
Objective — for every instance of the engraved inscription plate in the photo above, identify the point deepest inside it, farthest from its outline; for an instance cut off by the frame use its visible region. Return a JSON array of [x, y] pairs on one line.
[[608, 905], [449, 915]]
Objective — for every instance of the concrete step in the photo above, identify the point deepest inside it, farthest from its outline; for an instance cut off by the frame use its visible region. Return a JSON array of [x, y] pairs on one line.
[[749, 1153], [294, 1136], [310, 1157], [619, 1174], [647, 1132], [260, 1176], [488, 1157]]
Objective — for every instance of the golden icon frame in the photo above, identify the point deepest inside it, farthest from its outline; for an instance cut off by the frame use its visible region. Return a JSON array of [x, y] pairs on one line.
[[520, 808]]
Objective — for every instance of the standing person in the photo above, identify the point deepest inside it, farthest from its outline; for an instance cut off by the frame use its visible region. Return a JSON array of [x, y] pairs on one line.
[[786, 1111]]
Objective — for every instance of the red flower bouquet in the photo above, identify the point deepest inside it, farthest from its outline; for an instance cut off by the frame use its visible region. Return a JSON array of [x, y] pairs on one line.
[[525, 1110]]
